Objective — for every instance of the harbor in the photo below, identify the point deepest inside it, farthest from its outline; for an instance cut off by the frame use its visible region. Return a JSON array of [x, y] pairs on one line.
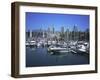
[[50, 47], [57, 39], [53, 46], [40, 56]]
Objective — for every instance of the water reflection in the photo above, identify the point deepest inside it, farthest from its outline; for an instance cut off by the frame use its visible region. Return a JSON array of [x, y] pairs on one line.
[[41, 57]]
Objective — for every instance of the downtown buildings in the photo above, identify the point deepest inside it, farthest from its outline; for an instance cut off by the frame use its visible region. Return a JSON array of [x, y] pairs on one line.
[[63, 35]]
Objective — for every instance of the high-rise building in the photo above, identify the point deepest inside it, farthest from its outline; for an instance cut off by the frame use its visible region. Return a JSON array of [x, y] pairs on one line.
[[67, 35], [62, 30], [27, 34], [48, 30], [62, 34], [53, 30], [30, 34], [87, 34], [75, 33]]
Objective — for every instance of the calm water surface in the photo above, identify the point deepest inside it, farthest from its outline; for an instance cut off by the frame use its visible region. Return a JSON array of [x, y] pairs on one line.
[[41, 57]]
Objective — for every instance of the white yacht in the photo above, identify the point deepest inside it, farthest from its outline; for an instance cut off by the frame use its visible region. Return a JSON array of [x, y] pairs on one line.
[[56, 48], [82, 48]]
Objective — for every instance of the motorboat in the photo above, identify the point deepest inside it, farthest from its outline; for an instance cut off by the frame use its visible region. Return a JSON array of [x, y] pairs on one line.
[[55, 48], [83, 49], [80, 48], [31, 44], [58, 50]]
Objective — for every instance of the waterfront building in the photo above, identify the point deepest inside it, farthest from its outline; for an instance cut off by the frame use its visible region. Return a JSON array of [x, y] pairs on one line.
[[62, 30], [87, 34], [75, 33], [62, 34], [51, 34], [28, 34], [48, 30], [67, 35], [53, 30], [70, 36]]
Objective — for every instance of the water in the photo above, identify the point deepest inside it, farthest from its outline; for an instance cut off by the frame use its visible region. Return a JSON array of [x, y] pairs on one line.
[[41, 57]]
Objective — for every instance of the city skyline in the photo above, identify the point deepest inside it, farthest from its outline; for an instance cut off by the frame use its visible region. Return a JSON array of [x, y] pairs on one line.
[[35, 21]]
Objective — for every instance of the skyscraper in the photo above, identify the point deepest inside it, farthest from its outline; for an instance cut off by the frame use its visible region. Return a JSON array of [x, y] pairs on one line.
[[53, 30], [75, 33], [67, 35], [62, 33], [48, 29], [62, 30]]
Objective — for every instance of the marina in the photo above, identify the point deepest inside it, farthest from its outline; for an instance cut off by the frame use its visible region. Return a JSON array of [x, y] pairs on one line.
[[49, 55], [51, 41], [41, 57], [75, 47]]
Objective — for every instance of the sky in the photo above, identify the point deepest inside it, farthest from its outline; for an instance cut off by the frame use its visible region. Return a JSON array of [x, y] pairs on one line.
[[36, 21]]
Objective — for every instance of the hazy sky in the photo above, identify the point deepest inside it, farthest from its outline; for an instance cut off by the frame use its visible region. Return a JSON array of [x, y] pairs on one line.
[[44, 20]]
